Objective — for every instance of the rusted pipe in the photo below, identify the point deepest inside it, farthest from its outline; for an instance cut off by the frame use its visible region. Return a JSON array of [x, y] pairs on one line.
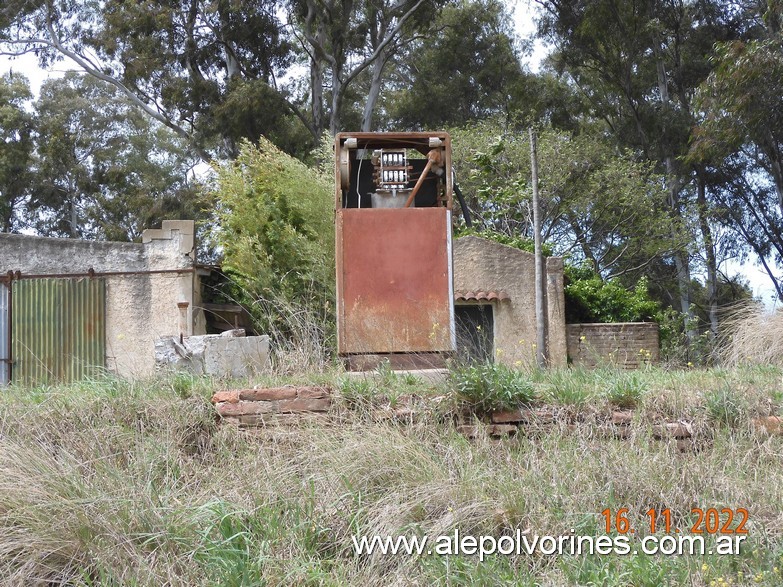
[[91, 273], [433, 158]]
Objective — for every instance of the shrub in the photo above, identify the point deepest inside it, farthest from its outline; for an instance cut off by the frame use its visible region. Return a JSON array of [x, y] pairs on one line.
[[588, 298], [490, 386], [275, 231]]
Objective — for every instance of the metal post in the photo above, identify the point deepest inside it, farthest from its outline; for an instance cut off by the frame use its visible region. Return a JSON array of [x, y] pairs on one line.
[[541, 338]]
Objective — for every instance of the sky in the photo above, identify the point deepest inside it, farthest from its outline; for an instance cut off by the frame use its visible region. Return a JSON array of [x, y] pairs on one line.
[[523, 16]]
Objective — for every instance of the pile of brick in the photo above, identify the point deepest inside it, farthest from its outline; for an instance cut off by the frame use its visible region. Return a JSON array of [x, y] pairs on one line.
[[293, 405], [271, 405], [507, 423]]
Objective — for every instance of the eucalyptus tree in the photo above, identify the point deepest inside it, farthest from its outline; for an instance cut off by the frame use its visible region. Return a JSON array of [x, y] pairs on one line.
[[638, 65], [600, 206], [198, 67], [742, 128], [103, 169], [345, 39], [469, 70], [16, 149]]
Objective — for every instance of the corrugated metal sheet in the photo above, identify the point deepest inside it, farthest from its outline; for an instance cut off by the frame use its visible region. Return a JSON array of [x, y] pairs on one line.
[[58, 328], [5, 324]]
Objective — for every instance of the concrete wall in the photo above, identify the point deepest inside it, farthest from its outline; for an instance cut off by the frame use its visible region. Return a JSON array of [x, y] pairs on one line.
[[624, 344], [139, 308], [484, 265]]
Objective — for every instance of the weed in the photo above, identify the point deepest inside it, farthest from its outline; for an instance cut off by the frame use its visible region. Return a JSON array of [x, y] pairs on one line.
[[626, 391], [725, 406], [357, 392], [568, 387], [491, 386], [100, 485]]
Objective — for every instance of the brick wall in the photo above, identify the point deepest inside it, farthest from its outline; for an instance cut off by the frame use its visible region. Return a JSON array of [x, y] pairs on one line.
[[625, 344]]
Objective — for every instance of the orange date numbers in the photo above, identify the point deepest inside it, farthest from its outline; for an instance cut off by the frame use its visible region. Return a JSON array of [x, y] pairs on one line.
[[706, 521]]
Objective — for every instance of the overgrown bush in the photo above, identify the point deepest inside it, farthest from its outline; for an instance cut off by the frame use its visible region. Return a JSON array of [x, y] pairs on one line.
[[491, 386], [275, 230], [588, 298]]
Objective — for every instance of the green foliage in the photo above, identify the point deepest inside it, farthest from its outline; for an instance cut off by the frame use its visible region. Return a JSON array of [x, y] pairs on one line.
[[16, 148], [569, 387], [105, 170], [592, 299], [598, 204], [474, 38], [384, 385], [626, 391], [518, 242], [276, 233], [491, 386], [725, 406]]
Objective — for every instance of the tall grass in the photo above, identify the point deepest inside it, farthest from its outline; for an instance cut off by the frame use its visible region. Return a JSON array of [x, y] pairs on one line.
[[753, 336], [116, 483]]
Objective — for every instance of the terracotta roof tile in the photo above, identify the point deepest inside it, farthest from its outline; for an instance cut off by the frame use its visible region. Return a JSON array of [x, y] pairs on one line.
[[481, 296]]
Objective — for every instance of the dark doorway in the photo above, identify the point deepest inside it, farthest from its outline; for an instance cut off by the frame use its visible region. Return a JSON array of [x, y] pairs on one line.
[[475, 326]]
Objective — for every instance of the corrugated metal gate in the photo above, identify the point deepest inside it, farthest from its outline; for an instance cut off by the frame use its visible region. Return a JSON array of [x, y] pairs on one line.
[[58, 329], [5, 335]]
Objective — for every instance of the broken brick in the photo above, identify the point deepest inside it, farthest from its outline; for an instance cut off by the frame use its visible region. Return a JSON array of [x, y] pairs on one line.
[[245, 408], [229, 395], [507, 416], [304, 405], [267, 394], [312, 392]]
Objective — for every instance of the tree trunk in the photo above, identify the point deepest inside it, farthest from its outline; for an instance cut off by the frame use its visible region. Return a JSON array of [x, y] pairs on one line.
[[709, 250], [375, 91], [337, 100], [317, 95], [673, 186]]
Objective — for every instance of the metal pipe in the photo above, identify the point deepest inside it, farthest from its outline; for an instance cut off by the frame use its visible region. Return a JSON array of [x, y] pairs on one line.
[[433, 158], [92, 273]]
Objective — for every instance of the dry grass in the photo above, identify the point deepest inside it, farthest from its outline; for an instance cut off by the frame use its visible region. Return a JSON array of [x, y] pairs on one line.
[[112, 483], [754, 336]]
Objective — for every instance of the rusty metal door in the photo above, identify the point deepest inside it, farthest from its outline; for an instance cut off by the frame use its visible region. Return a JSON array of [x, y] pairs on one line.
[[5, 334], [58, 329], [394, 282]]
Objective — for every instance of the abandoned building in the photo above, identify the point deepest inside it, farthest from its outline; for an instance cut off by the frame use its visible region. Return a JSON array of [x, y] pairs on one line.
[[78, 307], [494, 309]]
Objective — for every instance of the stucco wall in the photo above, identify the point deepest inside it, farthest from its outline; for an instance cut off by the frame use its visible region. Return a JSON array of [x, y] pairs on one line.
[[139, 308], [625, 344], [483, 265]]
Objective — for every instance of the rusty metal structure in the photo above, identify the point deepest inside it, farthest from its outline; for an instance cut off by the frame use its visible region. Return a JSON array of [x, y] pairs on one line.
[[393, 201], [59, 329], [5, 331]]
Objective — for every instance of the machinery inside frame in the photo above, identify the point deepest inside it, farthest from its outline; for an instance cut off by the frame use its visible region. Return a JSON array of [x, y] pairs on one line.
[[393, 201]]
